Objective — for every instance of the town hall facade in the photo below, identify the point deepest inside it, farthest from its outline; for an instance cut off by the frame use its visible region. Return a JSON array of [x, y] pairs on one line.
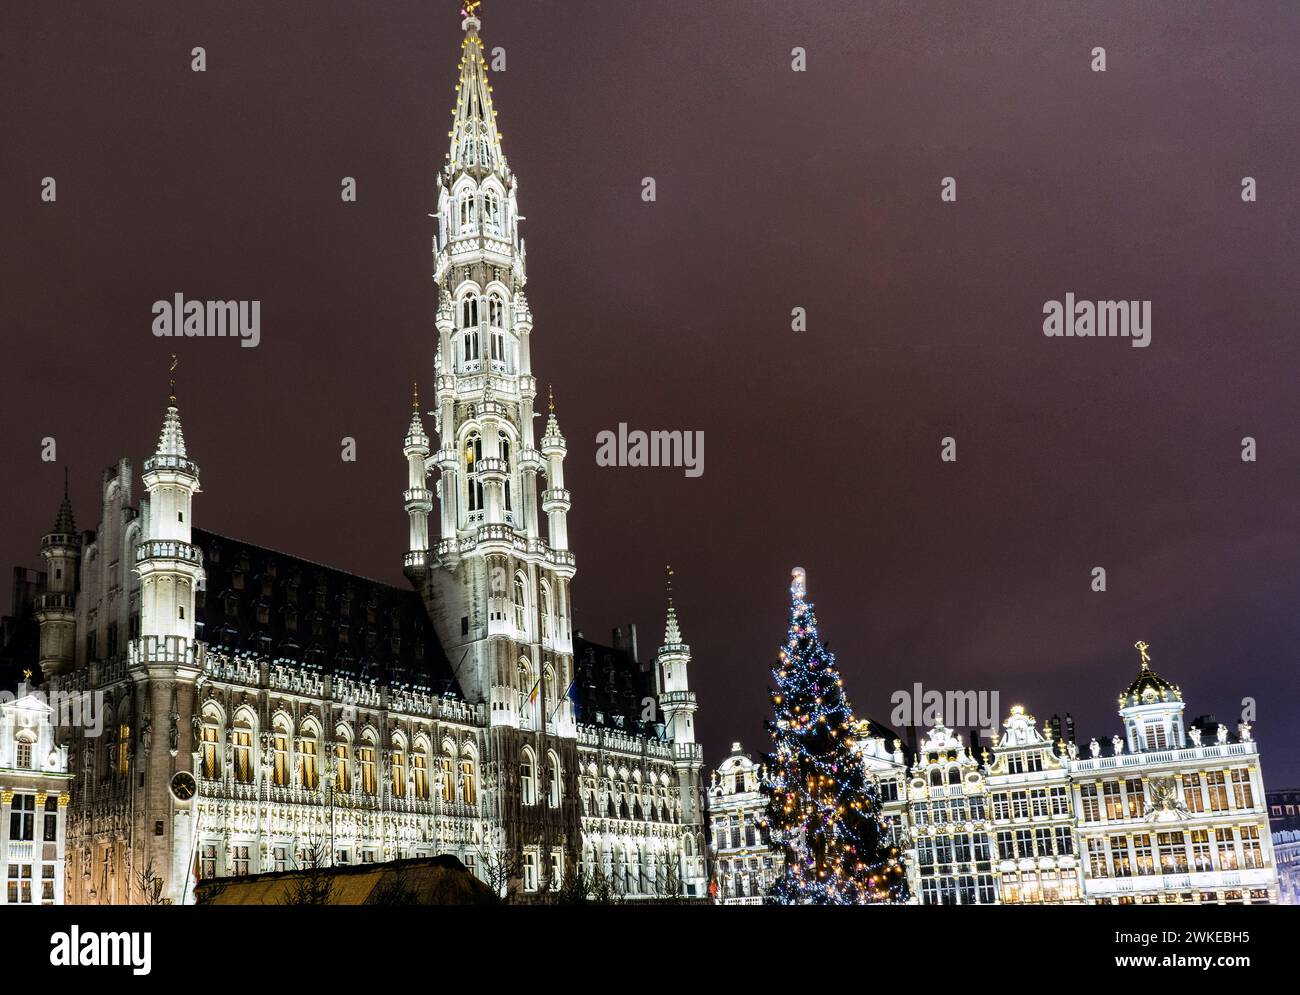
[[262, 711]]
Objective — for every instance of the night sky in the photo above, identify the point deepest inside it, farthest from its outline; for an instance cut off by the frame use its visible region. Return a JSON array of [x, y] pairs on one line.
[[776, 190]]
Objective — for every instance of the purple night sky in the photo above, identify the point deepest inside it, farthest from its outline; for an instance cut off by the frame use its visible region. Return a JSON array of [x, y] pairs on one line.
[[776, 189]]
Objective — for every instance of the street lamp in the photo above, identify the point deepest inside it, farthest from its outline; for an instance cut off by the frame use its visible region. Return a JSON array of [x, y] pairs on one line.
[[329, 785]]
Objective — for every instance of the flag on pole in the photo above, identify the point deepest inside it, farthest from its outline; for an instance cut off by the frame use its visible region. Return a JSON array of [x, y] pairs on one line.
[[567, 692]]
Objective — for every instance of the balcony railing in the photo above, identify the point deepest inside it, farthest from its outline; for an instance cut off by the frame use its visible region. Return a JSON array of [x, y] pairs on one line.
[[168, 549], [179, 463]]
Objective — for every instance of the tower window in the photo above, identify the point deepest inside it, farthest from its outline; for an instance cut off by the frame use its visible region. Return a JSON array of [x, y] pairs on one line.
[[181, 612], [180, 516]]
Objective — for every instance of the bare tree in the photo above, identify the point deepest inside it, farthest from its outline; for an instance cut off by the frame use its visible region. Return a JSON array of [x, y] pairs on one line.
[[151, 886], [317, 886], [503, 870]]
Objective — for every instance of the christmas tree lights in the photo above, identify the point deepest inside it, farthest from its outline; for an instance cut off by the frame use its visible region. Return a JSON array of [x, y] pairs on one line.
[[822, 807]]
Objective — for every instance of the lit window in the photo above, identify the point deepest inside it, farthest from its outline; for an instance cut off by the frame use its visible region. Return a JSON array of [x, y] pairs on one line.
[[210, 763], [280, 764], [448, 779], [307, 772], [469, 782], [343, 776], [243, 755], [366, 768], [419, 767], [399, 774]]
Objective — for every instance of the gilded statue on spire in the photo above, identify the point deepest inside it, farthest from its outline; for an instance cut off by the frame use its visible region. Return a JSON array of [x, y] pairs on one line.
[[171, 390], [1141, 646]]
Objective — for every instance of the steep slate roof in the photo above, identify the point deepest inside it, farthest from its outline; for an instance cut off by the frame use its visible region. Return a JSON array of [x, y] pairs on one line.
[[610, 688], [270, 603]]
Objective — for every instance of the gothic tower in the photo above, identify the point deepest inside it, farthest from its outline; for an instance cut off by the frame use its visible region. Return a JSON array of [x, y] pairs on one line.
[[165, 661], [56, 610], [497, 588], [672, 681]]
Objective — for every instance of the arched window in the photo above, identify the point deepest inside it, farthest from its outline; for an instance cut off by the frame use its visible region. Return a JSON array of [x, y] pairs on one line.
[[399, 769], [210, 756], [420, 773], [528, 778], [448, 774], [936, 777], [547, 624], [308, 751], [24, 744], [554, 787], [492, 212], [527, 694], [469, 353], [469, 778], [548, 690], [342, 769], [954, 775], [467, 202], [242, 738], [521, 603], [473, 485], [503, 441], [497, 323], [280, 752], [366, 765]]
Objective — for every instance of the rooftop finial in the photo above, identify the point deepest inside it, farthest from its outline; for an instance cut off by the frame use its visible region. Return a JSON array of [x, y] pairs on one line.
[[65, 483], [470, 8], [550, 398], [668, 578], [1141, 646], [171, 390], [415, 396]]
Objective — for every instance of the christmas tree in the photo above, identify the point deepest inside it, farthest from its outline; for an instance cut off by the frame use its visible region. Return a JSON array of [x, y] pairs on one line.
[[822, 807]]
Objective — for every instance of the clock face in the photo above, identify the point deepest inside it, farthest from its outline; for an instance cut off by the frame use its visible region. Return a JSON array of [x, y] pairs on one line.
[[184, 786]]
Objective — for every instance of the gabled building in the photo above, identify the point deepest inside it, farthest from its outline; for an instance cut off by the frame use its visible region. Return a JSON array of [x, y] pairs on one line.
[[745, 865], [34, 798], [1033, 816]]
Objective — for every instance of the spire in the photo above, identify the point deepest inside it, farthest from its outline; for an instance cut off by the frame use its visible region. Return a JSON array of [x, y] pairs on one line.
[[475, 141], [672, 632], [172, 440], [64, 523], [552, 430], [415, 432]]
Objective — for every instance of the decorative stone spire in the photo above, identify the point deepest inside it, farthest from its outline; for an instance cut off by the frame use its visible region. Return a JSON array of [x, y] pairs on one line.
[[64, 523], [475, 141], [415, 432], [172, 440], [672, 631]]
